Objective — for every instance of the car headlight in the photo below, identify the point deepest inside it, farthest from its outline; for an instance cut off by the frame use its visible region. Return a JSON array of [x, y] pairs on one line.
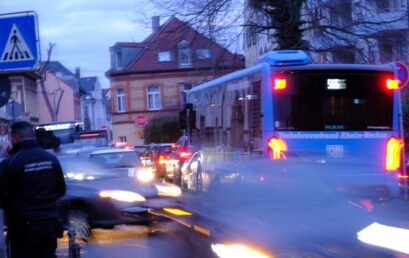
[[122, 196], [78, 176], [385, 236], [168, 190], [236, 250], [145, 175]]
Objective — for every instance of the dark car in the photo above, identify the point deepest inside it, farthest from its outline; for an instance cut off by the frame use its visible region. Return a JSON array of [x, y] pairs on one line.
[[181, 152], [157, 156], [141, 149], [105, 194]]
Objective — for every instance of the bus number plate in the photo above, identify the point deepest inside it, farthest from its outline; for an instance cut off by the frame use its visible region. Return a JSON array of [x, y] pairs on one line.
[[335, 151]]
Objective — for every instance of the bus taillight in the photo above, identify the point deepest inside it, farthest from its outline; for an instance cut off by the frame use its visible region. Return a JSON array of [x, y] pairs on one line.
[[280, 84], [393, 154], [277, 147], [400, 176], [392, 84]]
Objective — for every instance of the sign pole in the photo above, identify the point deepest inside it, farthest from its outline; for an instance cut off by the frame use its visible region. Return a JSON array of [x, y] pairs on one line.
[[2, 240], [14, 113]]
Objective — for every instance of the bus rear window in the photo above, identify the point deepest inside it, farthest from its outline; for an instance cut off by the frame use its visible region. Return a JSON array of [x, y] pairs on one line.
[[334, 100]]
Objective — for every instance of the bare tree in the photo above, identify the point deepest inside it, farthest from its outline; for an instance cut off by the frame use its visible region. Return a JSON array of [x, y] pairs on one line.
[[53, 108], [338, 27]]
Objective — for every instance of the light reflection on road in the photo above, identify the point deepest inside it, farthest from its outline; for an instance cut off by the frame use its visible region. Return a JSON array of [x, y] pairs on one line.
[[107, 242]]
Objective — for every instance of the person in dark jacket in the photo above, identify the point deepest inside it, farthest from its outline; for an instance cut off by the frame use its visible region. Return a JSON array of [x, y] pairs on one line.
[[31, 182]]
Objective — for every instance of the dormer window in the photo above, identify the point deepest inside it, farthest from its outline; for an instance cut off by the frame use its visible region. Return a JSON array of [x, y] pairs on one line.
[[116, 57], [203, 53], [185, 53], [164, 56], [118, 60]]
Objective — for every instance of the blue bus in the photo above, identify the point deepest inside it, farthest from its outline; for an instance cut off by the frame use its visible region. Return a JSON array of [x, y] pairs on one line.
[[345, 118]]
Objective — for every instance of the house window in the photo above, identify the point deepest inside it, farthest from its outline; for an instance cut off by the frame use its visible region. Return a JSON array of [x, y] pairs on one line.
[[343, 55], [386, 47], [185, 57], [164, 56], [185, 87], [251, 36], [119, 60], [390, 5], [153, 97], [185, 53], [203, 53], [120, 100]]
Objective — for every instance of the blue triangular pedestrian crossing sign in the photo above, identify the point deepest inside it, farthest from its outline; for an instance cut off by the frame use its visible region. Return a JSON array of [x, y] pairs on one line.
[[16, 48]]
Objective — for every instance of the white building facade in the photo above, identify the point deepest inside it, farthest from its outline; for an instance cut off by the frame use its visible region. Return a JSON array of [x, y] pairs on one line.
[[354, 31]]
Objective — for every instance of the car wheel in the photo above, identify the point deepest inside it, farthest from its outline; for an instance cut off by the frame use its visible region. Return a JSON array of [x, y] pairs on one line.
[[79, 220]]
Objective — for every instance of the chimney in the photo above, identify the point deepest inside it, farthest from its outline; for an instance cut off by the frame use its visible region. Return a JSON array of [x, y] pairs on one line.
[[77, 72], [155, 23]]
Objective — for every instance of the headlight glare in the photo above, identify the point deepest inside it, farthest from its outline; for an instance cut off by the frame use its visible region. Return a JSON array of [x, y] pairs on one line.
[[145, 175], [122, 196], [236, 250], [168, 190]]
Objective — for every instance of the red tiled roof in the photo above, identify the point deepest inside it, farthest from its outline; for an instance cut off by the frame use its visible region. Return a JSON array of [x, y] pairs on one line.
[[166, 39]]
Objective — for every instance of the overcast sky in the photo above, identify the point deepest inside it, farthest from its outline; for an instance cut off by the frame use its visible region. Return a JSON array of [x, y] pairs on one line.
[[83, 30]]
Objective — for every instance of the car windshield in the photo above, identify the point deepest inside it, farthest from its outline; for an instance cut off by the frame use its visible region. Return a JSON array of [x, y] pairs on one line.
[[128, 159], [81, 169]]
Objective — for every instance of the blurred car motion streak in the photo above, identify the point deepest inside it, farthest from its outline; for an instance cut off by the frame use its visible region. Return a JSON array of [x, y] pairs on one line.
[[285, 208], [109, 188]]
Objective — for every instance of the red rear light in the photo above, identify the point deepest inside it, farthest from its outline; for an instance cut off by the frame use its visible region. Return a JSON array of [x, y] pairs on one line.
[[185, 154], [402, 176], [392, 84], [280, 84], [277, 148], [89, 134], [162, 160], [393, 154]]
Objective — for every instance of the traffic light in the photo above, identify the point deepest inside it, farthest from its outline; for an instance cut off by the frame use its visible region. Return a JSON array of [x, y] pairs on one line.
[[187, 117], [183, 119], [192, 119]]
